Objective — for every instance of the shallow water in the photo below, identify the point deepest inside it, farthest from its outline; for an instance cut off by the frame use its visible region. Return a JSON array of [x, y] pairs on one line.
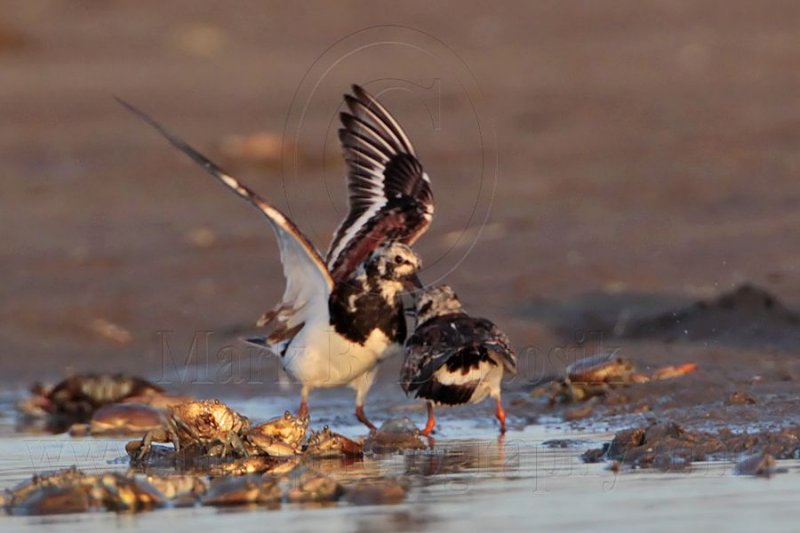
[[470, 479]]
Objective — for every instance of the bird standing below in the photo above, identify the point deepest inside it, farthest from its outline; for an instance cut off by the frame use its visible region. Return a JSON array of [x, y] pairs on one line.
[[453, 358], [339, 318]]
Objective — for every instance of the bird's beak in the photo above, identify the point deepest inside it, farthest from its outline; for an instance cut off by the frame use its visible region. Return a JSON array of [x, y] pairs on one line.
[[412, 283]]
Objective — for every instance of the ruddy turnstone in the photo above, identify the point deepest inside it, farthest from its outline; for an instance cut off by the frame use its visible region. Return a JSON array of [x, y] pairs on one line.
[[453, 358], [339, 317]]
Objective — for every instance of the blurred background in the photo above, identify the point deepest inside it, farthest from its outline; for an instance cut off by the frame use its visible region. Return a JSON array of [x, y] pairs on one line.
[[586, 157]]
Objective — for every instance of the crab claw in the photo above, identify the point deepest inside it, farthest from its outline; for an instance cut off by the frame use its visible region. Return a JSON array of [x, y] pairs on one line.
[[669, 372]]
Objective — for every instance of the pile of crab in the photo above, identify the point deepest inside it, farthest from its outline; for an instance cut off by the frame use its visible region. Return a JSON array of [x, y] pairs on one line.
[[193, 452], [208, 434], [73, 491]]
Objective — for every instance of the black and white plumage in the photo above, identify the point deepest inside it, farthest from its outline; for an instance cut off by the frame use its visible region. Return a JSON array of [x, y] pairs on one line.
[[338, 318], [388, 190], [453, 358]]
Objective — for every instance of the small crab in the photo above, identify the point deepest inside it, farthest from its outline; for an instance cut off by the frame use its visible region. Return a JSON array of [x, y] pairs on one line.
[[242, 490], [307, 485], [257, 444], [326, 443], [279, 437], [122, 419], [595, 376], [39, 494], [761, 464], [599, 374], [51, 499], [71, 490], [122, 493], [288, 428], [208, 424], [608, 368], [394, 435], [254, 464], [376, 492], [158, 401], [81, 395], [182, 489], [604, 368]]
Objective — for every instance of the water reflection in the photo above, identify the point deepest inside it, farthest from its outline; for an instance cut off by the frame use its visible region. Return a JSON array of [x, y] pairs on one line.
[[418, 519], [453, 457]]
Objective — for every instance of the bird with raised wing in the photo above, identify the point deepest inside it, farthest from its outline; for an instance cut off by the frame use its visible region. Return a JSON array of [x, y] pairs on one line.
[[340, 317], [453, 358]]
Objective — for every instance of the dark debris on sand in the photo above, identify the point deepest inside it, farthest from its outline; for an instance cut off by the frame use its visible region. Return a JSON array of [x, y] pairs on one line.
[[760, 465], [669, 446], [746, 316]]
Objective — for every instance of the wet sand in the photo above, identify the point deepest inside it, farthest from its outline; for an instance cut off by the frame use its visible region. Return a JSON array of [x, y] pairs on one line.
[[643, 153], [534, 488], [469, 477], [598, 170]]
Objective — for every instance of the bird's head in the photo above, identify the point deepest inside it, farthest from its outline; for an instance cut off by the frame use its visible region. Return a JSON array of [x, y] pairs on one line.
[[437, 301], [394, 261]]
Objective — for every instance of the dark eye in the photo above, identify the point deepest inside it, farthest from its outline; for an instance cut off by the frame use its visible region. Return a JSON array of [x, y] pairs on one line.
[[398, 259]]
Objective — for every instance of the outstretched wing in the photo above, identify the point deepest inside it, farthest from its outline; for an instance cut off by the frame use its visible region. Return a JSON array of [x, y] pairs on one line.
[[389, 192], [308, 283]]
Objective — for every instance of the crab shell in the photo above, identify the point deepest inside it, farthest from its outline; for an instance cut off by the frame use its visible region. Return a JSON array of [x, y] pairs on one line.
[[71, 490], [326, 443], [159, 401], [307, 485], [122, 493], [81, 395], [603, 368], [567, 391], [374, 492], [394, 434], [242, 490], [52, 500], [259, 444], [59, 478], [178, 486], [287, 428], [206, 421], [126, 419], [254, 464]]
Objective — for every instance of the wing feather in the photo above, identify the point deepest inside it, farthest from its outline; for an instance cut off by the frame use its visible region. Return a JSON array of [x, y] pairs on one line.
[[385, 179], [308, 282]]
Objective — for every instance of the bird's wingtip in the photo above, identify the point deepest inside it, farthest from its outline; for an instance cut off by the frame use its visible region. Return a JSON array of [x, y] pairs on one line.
[[257, 341]]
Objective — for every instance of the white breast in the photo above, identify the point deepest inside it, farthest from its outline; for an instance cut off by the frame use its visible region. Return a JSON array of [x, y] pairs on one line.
[[321, 358]]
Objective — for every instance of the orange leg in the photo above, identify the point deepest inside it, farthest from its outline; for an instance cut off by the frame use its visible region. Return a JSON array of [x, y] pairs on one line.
[[303, 411], [363, 418], [500, 413], [431, 422]]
